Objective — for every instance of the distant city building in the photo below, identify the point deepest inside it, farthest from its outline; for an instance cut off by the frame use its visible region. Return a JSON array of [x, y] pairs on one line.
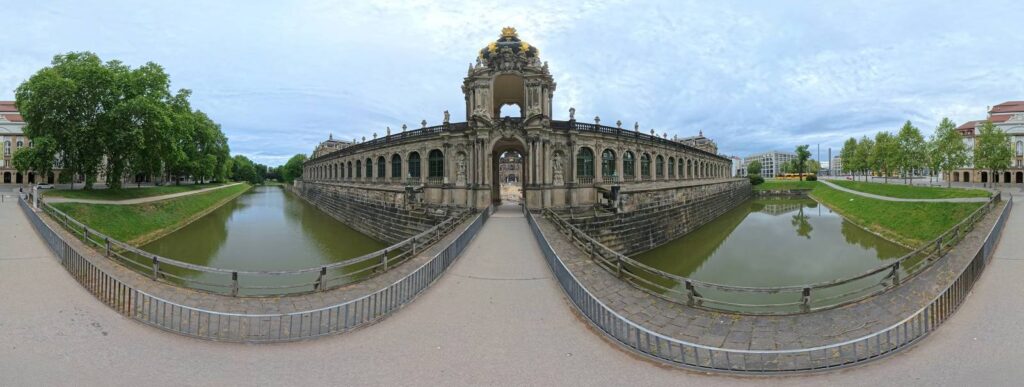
[[836, 165], [737, 166], [12, 136], [700, 142], [330, 145], [1008, 116], [771, 162]]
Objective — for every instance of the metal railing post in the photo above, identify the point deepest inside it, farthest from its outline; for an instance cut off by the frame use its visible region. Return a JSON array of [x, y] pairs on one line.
[[805, 302], [384, 260], [106, 241], [689, 293], [156, 268], [320, 279], [895, 273], [234, 284]]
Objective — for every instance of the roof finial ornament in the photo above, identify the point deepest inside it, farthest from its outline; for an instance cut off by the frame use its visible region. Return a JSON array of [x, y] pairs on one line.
[[701, 132], [509, 32], [636, 126], [424, 123], [389, 131], [572, 114], [403, 127], [597, 120], [618, 123], [446, 117], [330, 136]]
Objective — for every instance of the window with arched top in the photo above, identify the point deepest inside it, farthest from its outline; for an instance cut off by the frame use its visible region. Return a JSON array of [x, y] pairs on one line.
[[435, 163], [672, 167], [350, 170], [381, 168], [396, 166], [1020, 148], [628, 165], [359, 169], [608, 163], [20, 143], [369, 168], [659, 167], [414, 164], [645, 166], [585, 163]]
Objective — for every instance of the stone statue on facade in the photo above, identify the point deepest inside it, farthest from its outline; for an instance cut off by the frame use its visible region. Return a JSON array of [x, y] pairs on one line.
[[389, 131], [460, 169], [636, 126], [446, 116], [403, 127], [556, 165], [374, 135], [424, 123], [572, 114], [597, 120], [618, 124]]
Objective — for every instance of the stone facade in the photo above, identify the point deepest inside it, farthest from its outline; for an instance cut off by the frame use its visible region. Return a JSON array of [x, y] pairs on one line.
[[1008, 116], [565, 163], [658, 215], [12, 138]]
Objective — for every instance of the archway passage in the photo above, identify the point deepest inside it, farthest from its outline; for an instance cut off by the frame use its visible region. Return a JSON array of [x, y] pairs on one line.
[[1020, 177], [508, 172]]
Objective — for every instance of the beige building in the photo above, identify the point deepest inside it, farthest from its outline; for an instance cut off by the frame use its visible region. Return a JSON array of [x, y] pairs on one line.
[[1008, 116], [771, 162], [12, 137]]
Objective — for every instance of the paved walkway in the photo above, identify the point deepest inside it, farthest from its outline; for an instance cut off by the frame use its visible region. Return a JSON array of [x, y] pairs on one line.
[[892, 199], [497, 319], [57, 199]]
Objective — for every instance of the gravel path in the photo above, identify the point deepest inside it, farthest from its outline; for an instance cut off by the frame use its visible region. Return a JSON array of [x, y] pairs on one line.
[[57, 199], [892, 199]]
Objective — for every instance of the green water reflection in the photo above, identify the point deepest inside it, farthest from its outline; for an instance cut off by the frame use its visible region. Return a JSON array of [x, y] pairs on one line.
[[265, 229], [775, 242]]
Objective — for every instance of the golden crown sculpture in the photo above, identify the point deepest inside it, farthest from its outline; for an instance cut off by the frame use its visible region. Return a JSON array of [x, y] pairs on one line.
[[509, 32]]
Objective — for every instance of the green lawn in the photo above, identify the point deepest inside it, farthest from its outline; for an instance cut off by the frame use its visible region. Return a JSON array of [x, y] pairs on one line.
[[772, 184], [911, 192], [127, 192], [909, 223], [139, 223]]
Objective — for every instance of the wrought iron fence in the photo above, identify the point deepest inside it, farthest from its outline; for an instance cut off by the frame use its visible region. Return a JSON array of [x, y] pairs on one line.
[[873, 346], [251, 282], [257, 328], [777, 299]]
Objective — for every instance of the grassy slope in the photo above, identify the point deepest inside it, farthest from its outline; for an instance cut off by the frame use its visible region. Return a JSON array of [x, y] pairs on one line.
[[771, 184], [908, 223], [138, 223], [126, 193], [910, 192]]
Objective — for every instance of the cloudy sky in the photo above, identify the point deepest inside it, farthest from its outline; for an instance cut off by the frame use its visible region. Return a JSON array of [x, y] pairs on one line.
[[279, 76]]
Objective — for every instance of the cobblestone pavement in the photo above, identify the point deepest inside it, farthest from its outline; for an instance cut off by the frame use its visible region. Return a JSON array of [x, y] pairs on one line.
[[892, 199], [736, 331], [499, 320], [57, 199]]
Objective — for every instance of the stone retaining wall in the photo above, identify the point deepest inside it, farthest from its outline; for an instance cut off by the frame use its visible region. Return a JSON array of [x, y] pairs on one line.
[[381, 214], [655, 217]]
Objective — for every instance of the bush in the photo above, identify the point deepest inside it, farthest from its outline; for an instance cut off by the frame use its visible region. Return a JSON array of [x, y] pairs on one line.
[[811, 178], [755, 179]]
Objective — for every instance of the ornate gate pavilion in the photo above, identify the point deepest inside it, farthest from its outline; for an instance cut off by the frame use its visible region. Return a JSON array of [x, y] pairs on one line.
[[566, 163]]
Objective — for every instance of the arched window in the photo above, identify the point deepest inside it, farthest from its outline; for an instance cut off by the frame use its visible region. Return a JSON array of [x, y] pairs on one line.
[[681, 169], [359, 169], [608, 163], [435, 163], [689, 169], [1020, 148], [350, 170], [628, 165], [381, 168], [341, 171], [645, 166], [659, 167], [20, 144], [396, 166], [7, 148], [672, 167], [369, 168], [585, 163], [414, 164]]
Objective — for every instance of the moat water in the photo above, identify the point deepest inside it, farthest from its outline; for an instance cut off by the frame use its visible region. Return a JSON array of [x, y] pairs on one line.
[[265, 229], [767, 242]]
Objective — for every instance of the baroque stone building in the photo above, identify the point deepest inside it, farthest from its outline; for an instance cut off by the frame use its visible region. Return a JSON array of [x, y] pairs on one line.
[[565, 162], [12, 137], [1008, 116]]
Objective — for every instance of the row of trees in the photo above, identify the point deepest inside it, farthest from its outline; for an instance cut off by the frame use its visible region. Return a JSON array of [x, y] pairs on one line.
[[87, 116], [908, 151]]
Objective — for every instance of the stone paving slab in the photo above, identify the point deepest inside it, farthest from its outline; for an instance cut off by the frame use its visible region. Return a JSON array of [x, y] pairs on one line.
[[253, 305], [737, 331]]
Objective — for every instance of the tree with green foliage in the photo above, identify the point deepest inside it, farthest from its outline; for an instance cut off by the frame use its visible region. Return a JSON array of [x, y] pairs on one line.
[[848, 155], [949, 151], [800, 164], [992, 150], [812, 166], [292, 169], [911, 152], [884, 154], [862, 161]]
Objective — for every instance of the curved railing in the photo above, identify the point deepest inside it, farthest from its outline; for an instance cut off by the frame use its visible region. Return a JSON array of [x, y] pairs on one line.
[[776, 299], [679, 352], [255, 328], [250, 282]]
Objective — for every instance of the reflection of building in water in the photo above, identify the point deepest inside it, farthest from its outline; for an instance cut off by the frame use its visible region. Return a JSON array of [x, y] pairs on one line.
[[781, 208], [509, 167]]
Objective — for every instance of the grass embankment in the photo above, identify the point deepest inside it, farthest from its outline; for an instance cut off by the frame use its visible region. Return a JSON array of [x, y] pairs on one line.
[[127, 192], [137, 224], [772, 184], [911, 192], [908, 223]]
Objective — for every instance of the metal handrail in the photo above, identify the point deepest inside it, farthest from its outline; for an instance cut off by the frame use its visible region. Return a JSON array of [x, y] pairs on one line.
[[639, 274], [749, 361], [251, 328], [319, 278]]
